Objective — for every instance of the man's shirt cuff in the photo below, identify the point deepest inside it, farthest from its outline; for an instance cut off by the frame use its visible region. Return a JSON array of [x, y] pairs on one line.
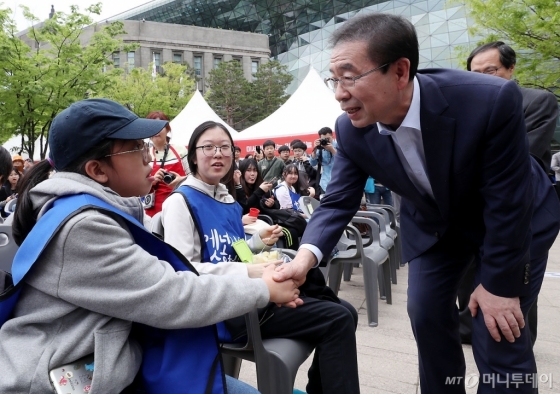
[[315, 250]]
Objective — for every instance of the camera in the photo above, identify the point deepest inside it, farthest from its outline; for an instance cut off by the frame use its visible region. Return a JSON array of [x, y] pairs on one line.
[[168, 178], [324, 141]]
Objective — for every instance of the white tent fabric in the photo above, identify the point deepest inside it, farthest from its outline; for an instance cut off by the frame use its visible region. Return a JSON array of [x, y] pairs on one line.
[[195, 112], [13, 145], [311, 107]]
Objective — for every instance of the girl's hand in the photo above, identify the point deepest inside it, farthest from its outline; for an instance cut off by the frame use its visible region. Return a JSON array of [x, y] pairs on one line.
[[270, 235], [237, 177], [311, 191], [266, 186], [282, 293], [269, 202], [246, 219]]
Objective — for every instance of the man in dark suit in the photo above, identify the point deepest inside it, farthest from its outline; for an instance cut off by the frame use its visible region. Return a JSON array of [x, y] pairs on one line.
[[453, 145], [540, 110]]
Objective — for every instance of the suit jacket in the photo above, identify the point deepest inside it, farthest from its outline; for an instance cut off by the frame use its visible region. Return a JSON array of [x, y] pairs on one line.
[[541, 113], [486, 186]]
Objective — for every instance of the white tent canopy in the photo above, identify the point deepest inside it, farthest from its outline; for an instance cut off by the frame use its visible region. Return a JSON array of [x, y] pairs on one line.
[[13, 145], [195, 112], [311, 107]]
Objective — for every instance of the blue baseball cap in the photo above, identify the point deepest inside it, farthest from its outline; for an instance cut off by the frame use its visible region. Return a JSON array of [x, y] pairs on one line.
[[86, 123]]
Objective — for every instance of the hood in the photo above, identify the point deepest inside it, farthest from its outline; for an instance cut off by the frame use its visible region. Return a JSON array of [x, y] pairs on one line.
[[69, 183]]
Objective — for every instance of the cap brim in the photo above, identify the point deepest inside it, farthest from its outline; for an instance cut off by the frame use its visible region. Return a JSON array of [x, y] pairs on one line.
[[139, 129]]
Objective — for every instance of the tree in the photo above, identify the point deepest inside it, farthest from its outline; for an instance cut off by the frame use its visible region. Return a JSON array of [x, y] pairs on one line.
[[532, 28], [269, 89], [51, 71], [229, 92], [141, 93], [242, 103]]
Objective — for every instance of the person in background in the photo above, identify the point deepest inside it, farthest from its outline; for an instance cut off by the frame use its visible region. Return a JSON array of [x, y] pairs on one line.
[[540, 107], [27, 165], [169, 166], [259, 155], [271, 167], [237, 156], [303, 164], [324, 150], [207, 226], [253, 188], [540, 110], [249, 156], [8, 191], [18, 163], [289, 191], [284, 153], [381, 193]]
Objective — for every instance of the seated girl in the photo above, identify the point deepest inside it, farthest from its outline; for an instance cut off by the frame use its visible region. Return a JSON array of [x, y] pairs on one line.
[[202, 209], [288, 192], [93, 279]]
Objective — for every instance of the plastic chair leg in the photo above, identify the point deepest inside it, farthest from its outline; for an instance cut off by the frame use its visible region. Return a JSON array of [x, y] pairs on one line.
[[232, 365], [371, 288], [335, 277], [348, 269]]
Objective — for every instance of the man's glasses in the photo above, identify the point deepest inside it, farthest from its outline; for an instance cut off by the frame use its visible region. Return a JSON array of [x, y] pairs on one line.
[[210, 150], [490, 70], [140, 147], [348, 82]]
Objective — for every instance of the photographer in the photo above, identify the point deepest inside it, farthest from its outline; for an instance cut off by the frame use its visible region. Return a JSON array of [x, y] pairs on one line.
[[169, 166], [323, 157]]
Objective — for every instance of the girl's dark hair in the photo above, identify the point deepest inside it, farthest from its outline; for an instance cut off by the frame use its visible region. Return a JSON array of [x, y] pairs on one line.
[[227, 180], [244, 166], [300, 186], [249, 156], [25, 216]]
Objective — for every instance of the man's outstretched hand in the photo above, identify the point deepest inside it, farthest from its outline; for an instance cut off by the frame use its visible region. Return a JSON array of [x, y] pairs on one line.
[[500, 313], [297, 268]]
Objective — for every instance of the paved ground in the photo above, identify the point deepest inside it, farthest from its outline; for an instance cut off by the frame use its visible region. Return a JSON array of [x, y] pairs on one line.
[[387, 354]]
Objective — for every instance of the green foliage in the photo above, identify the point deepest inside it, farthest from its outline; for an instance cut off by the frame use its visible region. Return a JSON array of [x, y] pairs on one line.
[[241, 103], [269, 88], [531, 28], [229, 92], [141, 93], [51, 70]]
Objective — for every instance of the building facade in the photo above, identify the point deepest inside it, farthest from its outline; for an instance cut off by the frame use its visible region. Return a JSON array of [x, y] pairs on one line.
[[200, 47], [298, 30]]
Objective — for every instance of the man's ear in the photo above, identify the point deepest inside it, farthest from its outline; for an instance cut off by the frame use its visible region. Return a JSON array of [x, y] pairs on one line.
[[402, 71], [95, 169]]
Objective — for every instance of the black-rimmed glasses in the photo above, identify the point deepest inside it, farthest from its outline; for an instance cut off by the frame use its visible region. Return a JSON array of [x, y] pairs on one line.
[[210, 150], [348, 82]]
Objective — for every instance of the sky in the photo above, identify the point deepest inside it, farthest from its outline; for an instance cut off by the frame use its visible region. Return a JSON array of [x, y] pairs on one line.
[[42, 8]]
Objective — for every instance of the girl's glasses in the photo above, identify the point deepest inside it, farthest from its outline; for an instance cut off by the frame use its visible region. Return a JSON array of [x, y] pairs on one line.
[[141, 146]]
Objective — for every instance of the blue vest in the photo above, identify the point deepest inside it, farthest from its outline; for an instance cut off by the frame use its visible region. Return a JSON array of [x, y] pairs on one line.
[[185, 361], [219, 225], [293, 195]]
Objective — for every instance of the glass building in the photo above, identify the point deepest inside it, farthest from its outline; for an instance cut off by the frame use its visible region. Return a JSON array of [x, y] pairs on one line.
[[299, 30]]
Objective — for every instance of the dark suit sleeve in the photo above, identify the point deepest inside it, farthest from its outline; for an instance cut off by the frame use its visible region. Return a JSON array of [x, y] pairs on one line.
[[340, 203], [541, 115], [507, 191]]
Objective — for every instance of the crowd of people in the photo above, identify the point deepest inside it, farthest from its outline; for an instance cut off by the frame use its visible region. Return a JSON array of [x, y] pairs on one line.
[[453, 144]]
